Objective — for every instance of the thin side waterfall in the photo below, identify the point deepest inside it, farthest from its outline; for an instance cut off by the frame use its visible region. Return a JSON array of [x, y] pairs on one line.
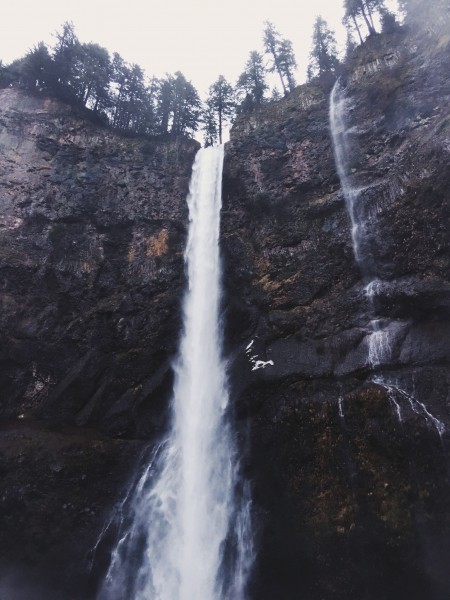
[[341, 156], [379, 348], [381, 338], [188, 532]]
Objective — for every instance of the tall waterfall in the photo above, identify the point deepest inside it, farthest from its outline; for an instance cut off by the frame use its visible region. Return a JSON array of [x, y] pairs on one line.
[[188, 535]]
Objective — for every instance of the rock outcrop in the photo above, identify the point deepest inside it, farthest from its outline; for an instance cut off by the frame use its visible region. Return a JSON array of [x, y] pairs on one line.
[[347, 442], [341, 391], [92, 235]]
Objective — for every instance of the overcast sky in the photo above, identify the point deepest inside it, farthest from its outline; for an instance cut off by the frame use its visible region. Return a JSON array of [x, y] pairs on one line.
[[201, 38]]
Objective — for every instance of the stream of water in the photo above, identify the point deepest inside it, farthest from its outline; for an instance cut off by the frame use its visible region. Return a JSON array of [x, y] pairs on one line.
[[189, 532]]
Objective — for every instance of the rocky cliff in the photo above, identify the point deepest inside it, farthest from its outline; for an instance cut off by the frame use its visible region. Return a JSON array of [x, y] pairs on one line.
[[347, 442], [92, 234]]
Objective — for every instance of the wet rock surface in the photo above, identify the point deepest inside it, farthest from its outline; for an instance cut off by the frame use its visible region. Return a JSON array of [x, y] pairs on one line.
[[92, 235], [341, 393], [346, 428]]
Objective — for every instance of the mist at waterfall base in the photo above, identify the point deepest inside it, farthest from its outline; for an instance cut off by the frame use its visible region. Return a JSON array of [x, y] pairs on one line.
[[187, 533]]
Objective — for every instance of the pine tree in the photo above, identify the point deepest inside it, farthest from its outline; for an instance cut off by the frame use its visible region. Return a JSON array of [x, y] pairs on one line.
[[221, 103], [323, 57], [282, 56], [66, 60], [252, 80], [186, 106], [94, 72], [362, 11], [209, 126], [288, 62], [35, 69], [164, 101]]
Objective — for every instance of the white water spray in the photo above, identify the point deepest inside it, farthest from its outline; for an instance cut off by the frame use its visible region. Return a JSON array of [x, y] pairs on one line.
[[418, 407], [379, 347], [341, 148], [189, 536]]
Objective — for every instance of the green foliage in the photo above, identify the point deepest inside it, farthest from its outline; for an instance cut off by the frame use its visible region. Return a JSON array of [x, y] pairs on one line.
[[66, 59], [282, 56], [219, 109], [35, 70], [86, 76], [209, 126], [251, 82], [389, 23], [359, 15], [183, 105], [94, 72], [323, 57]]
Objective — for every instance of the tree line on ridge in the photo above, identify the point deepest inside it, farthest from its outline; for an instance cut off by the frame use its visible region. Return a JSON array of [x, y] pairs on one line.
[[122, 96]]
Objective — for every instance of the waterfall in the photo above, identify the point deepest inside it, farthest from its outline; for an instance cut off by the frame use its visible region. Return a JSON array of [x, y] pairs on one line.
[[379, 347], [382, 332], [341, 148], [188, 534]]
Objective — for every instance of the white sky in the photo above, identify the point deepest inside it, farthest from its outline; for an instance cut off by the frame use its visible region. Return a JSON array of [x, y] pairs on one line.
[[200, 38]]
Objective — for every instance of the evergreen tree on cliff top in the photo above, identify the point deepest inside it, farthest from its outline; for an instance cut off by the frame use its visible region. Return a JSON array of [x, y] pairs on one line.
[[358, 13], [66, 59], [94, 72], [252, 80], [35, 70], [323, 57], [220, 104], [282, 55], [186, 106]]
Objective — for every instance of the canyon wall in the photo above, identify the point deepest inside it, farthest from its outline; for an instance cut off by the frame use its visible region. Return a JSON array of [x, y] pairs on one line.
[[92, 235], [348, 454]]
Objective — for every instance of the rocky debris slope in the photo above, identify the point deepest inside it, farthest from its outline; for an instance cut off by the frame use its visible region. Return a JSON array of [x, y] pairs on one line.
[[347, 428], [92, 234]]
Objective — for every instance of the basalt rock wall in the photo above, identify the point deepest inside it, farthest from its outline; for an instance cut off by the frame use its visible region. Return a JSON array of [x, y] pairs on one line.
[[348, 455], [92, 234]]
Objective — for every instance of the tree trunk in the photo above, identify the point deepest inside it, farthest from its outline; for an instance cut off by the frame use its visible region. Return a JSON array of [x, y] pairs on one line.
[[369, 12], [357, 29], [278, 68], [369, 26]]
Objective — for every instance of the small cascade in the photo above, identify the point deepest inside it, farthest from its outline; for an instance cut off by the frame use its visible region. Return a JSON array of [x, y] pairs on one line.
[[341, 145], [391, 395], [378, 343], [341, 408], [397, 393], [379, 346], [362, 205], [188, 532]]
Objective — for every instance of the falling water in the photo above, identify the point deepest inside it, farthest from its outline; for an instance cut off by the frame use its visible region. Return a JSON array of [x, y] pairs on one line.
[[341, 147], [189, 531], [393, 388], [379, 348]]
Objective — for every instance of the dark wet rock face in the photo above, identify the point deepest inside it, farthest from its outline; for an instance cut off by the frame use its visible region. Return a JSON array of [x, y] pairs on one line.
[[91, 256], [92, 235], [347, 430], [341, 392]]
